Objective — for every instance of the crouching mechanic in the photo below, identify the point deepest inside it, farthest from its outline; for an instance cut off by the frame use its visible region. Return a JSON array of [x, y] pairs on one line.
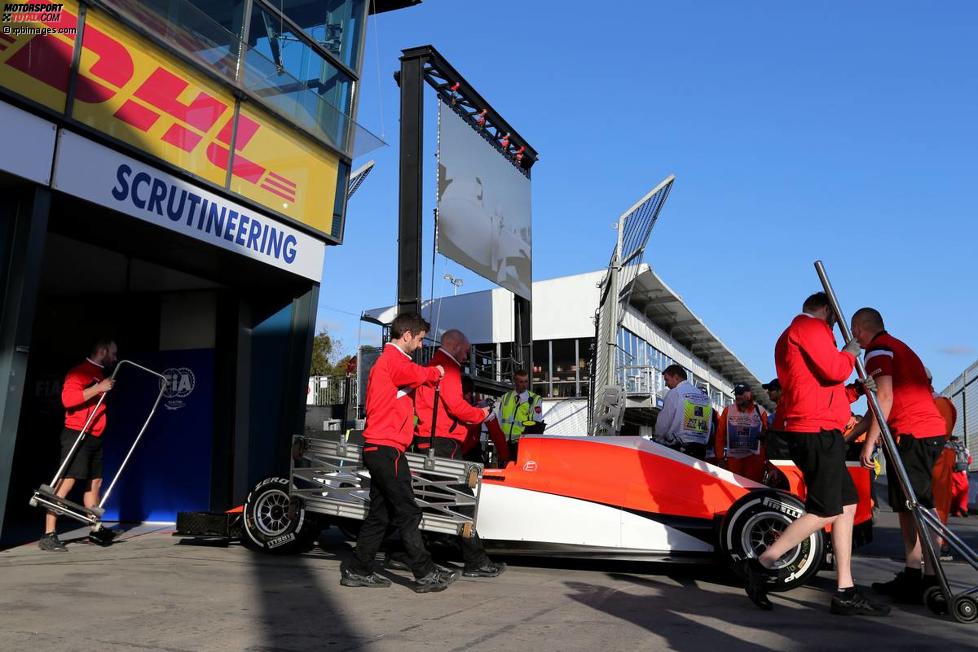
[[739, 440], [451, 431], [685, 421], [814, 409], [388, 433], [904, 395]]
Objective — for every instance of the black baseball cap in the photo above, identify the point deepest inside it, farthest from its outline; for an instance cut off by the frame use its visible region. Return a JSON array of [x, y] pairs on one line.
[[774, 384], [740, 388]]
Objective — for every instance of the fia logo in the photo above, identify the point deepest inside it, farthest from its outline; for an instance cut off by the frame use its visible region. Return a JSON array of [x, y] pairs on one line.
[[180, 383]]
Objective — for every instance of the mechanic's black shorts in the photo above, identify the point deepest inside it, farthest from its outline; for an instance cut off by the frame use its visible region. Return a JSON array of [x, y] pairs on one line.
[[87, 461], [821, 458], [919, 457], [776, 445]]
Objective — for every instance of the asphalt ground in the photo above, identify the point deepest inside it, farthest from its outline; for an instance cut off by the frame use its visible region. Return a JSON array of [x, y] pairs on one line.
[[150, 592]]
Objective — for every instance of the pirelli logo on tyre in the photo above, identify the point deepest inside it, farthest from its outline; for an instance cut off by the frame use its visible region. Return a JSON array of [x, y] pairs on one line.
[[132, 90], [784, 508]]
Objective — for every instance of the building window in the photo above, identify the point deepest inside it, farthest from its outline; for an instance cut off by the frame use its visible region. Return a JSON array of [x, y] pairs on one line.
[[540, 378], [565, 368], [208, 32], [337, 25], [285, 71]]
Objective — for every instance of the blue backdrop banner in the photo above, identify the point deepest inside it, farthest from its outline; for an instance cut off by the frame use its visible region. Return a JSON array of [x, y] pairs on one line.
[[170, 469]]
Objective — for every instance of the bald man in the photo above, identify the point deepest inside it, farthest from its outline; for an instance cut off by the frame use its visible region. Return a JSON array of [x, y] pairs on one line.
[[904, 395], [455, 414]]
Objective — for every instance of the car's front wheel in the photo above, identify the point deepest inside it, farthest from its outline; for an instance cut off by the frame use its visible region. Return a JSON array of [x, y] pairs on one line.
[[757, 520], [276, 524]]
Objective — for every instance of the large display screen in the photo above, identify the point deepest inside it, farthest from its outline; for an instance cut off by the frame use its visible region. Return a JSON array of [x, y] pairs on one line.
[[483, 206]]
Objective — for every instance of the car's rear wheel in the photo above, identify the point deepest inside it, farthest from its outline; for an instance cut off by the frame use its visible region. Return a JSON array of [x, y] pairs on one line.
[[757, 520], [275, 523]]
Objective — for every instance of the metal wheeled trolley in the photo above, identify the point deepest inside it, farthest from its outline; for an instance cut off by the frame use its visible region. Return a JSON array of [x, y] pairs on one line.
[[963, 606], [329, 478], [46, 496]]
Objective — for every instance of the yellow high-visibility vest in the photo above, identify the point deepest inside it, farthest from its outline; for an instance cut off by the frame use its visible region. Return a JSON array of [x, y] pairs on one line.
[[515, 416]]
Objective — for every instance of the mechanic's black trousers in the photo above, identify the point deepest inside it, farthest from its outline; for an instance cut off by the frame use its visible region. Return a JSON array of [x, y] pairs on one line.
[[391, 502], [473, 553]]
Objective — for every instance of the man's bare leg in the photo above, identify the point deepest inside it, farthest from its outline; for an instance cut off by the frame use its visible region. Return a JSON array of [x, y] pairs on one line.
[[842, 546], [799, 530], [64, 487], [92, 495]]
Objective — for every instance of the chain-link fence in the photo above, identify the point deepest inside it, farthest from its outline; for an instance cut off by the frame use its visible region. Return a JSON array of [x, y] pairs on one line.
[[963, 392]]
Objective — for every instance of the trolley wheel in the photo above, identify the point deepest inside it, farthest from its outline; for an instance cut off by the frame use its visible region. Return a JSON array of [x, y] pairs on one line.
[[935, 601], [964, 608], [472, 477], [467, 531], [755, 521], [276, 524]]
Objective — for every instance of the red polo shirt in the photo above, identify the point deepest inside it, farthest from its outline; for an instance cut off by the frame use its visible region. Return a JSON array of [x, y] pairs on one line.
[[77, 409], [913, 411]]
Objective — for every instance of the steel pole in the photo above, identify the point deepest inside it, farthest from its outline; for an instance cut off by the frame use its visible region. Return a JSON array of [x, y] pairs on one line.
[[889, 443]]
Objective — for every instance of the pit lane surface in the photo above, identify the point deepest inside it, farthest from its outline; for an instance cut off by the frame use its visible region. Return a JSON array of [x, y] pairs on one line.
[[148, 593]]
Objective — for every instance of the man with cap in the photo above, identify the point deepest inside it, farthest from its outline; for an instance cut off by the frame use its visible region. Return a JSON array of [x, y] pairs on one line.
[[739, 441], [775, 443]]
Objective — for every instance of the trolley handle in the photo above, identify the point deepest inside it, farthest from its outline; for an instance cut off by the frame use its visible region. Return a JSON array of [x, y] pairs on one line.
[[156, 403], [874, 404]]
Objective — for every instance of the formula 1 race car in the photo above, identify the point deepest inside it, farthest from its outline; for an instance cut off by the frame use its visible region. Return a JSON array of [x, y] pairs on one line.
[[585, 497]]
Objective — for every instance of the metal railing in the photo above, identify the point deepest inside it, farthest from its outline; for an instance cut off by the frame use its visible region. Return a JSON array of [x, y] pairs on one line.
[[641, 379], [328, 390]]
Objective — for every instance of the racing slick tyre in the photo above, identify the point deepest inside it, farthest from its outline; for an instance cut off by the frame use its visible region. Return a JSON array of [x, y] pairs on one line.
[[275, 524], [755, 521]]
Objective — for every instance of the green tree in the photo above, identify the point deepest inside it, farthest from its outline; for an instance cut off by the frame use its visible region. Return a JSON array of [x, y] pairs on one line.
[[323, 349]]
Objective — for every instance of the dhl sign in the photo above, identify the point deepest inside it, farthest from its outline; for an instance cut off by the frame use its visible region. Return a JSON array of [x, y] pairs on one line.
[[138, 93]]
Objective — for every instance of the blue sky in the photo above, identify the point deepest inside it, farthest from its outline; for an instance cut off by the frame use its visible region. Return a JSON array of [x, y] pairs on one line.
[[841, 131]]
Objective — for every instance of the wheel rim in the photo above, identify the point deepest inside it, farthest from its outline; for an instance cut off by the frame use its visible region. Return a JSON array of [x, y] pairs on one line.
[[272, 513], [965, 609], [762, 530]]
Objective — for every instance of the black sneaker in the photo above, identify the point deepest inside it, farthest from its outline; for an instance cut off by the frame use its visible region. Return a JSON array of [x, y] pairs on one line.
[[436, 580], [856, 604], [486, 569], [51, 543], [395, 562], [372, 581], [759, 580], [900, 583], [913, 592], [102, 537]]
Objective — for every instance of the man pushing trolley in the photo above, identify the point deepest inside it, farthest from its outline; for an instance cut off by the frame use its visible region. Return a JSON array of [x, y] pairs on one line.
[[83, 396]]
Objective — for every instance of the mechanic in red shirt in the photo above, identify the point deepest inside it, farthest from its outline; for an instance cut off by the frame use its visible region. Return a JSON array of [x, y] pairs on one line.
[[389, 431], [455, 414], [812, 373], [83, 387], [904, 395], [472, 446]]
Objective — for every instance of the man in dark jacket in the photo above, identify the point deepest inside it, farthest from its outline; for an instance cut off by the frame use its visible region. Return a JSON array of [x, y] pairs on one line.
[[455, 414]]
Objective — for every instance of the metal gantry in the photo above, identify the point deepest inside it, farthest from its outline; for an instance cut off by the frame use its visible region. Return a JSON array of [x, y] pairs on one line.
[[634, 226]]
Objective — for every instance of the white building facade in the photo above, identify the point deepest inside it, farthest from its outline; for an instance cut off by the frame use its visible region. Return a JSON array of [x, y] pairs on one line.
[[657, 330]]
